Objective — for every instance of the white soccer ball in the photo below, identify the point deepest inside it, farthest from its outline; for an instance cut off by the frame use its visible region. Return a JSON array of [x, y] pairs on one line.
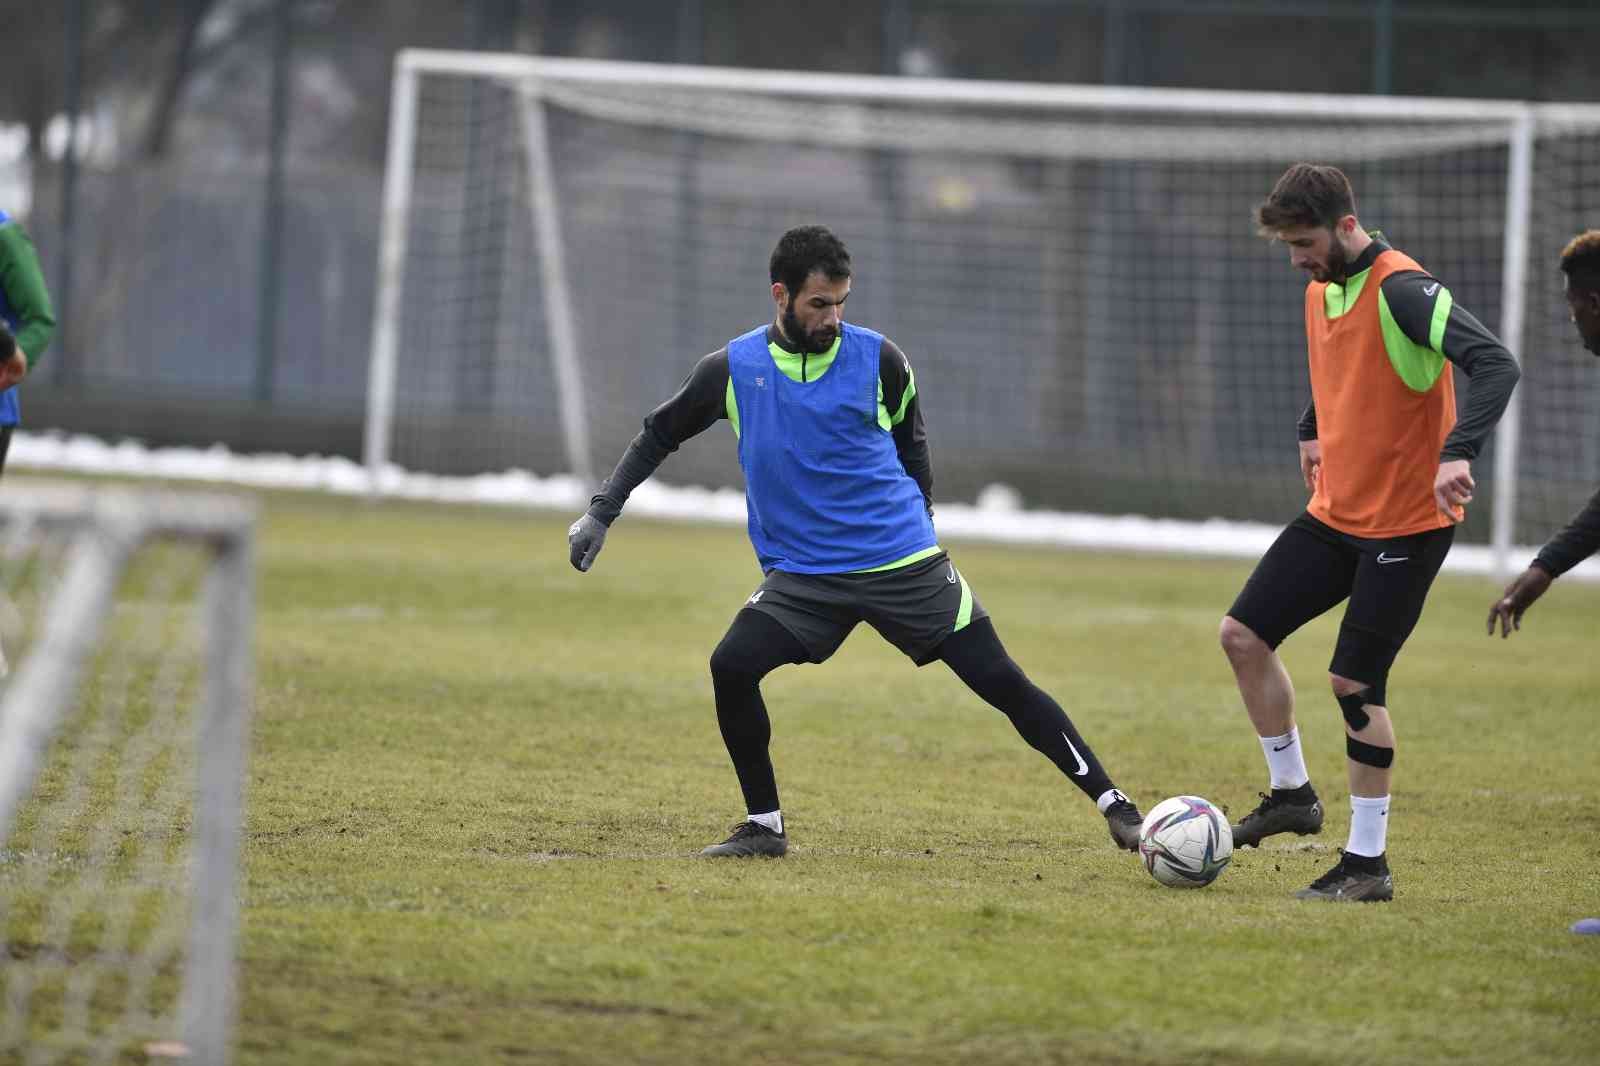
[[1185, 842]]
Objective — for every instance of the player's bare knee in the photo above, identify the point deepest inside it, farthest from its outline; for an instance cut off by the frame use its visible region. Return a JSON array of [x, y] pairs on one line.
[[1344, 686], [1360, 703], [1239, 642], [1378, 732]]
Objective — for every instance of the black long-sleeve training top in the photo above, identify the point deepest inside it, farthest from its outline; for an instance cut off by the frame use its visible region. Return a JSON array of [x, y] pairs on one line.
[[702, 399], [1466, 342], [1579, 540]]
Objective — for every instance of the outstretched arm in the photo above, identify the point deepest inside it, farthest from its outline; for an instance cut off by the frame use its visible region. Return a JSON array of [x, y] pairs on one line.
[[1565, 550], [1575, 543], [694, 408]]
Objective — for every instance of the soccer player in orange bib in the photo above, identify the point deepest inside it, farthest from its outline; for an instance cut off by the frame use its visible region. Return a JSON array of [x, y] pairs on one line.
[[1389, 469]]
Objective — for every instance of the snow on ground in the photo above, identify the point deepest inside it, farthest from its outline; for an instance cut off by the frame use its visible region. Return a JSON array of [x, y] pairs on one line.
[[997, 515]]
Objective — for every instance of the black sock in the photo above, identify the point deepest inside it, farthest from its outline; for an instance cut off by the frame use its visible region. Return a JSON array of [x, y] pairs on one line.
[[1366, 864], [1302, 796]]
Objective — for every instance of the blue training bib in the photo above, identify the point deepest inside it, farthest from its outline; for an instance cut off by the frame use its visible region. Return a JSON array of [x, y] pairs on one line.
[[825, 489]]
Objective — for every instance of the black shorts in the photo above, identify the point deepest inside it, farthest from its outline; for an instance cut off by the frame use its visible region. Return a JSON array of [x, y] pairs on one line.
[[1312, 567], [914, 607]]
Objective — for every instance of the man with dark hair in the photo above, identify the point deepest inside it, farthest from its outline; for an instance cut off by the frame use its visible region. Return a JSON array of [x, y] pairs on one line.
[[1580, 266], [1388, 466], [26, 321], [839, 491]]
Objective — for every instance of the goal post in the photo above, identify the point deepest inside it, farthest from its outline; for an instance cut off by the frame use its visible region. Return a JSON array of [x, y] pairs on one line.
[[126, 620], [1513, 306], [544, 220], [1071, 269]]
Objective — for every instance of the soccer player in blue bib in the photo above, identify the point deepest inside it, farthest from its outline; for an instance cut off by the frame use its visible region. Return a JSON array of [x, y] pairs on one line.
[[839, 489], [26, 321]]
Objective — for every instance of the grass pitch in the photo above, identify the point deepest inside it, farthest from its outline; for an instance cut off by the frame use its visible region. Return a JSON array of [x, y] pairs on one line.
[[478, 780]]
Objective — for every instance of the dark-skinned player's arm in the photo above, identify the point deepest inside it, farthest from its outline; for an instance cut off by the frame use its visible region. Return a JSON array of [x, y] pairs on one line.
[[701, 400], [1566, 549]]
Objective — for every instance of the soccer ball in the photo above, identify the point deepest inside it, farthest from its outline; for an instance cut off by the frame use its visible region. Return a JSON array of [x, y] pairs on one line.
[[1185, 842]]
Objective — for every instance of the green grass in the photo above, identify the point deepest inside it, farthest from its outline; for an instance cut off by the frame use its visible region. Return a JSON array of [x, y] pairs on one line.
[[478, 780]]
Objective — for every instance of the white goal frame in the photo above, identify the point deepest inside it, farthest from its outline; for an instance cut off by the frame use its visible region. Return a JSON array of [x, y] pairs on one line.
[[106, 527], [1520, 120]]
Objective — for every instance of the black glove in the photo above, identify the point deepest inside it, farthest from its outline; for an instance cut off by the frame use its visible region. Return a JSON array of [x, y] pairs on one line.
[[584, 538]]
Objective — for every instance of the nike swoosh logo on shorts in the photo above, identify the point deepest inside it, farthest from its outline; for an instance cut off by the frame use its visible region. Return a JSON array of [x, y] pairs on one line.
[[1083, 767], [1384, 559]]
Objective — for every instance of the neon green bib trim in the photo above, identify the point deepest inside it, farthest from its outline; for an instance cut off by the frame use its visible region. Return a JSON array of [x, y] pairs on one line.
[[815, 364], [732, 406], [905, 400], [914, 557], [964, 612], [1441, 318], [1337, 299], [886, 421], [1417, 366]]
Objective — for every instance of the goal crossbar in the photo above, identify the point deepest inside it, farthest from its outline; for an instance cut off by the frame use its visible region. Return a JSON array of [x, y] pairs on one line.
[[970, 91], [1040, 121]]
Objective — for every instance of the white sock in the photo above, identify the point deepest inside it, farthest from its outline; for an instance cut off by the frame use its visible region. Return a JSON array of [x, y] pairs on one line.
[[1369, 825], [1285, 761], [1108, 797], [773, 820]]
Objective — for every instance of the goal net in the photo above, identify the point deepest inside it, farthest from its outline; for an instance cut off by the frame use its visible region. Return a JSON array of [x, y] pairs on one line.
[[1073, 272], [126, 626]]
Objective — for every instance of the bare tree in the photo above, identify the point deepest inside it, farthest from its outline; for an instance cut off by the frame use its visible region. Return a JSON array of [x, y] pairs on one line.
[[158, 129]]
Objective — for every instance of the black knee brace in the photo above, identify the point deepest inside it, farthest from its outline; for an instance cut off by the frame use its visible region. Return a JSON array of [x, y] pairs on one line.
[[1356, 717], [1368, 754], [1365, 657], [1353, 707]]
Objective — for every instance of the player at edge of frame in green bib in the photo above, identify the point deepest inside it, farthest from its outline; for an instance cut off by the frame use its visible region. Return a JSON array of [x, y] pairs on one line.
[[27, 321]]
